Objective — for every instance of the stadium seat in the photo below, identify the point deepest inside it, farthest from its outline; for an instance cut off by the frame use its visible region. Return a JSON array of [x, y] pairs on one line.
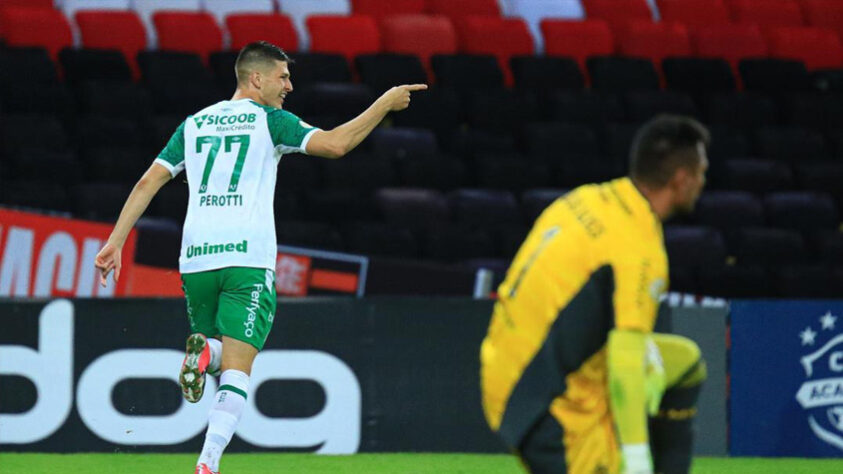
[[40, 69], [349, 36], [502, 38], [413, 208], [738, 281], [823, 178], [71, 7], [577, 39], [99, 201], [587, 107], [466, 72], [694, 13], [824, 14], [730, 42], [42, 27], [801, 211], [298, 172], [698, 76], [644, 105], [41, 195], [188, 33], [654, 41], [554, 142], [33, 132], [122, 31], [442, 173], [534, 11], [535, 201], [472, 143], [404, 144], [774, 76], [545, 73], [509, 239], [147, 8], [500, 110], [115, 100], [509, 172], [380, 239], [311, 68], [222, 9], [99, 130], [806, 281], [757, 176], [761, 246], [437, 109], [159, 242], [82, 65], [222, 63], [694, 247], [621, 74], [464, 8], [726, 210], [287, 204], [421, 35], [121, 164], [791, 144], [484, 208], [822, 112], [245, 28], [745, 110], [457, 242], [818, 48], [827, 246], [315, 235], [384, 8], [383, 71], [338, 205], [299, 10], [179, 83], [766, 13], [28, 3], [59, 167], [617, 139], [347, 101], [361, 171], [728, 142], [617, 12], [24, 98]]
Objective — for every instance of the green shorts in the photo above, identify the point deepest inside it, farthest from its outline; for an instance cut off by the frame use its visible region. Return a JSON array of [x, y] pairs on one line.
[[237, 302]]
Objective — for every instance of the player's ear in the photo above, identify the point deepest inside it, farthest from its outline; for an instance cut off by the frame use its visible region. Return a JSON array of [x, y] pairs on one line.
[[256, 79]]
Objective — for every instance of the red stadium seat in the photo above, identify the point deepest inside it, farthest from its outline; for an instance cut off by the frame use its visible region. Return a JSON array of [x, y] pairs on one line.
[[824, 13], [44, 27], [123, 31], [247, 28], [577, 39], [818, 48], [730, 42], [382, 8], [463, 8], [421, 35], [654, 41], [617, 13], [27, 3], [346, 35], [767, 13], [498, 37], [188, 32], [695, 13]]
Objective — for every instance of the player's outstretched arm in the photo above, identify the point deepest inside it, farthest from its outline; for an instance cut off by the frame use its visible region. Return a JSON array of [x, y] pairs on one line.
[[341, 140], [109, 258]]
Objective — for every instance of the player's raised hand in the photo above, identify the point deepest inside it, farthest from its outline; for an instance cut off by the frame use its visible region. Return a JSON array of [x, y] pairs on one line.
[[108, 259], [398, 98]]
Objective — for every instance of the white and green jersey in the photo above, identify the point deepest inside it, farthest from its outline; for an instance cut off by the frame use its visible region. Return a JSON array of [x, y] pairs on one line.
[[230, 152]]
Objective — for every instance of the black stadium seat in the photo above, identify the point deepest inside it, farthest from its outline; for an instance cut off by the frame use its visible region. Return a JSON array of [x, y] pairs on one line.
[[729, 209], [33, 132], [587, 108], [500, 110], [310, 68], [510, 171], [644, 105], [222, 65], [698, 76], [383, 71], [99, 201], [404, 143], [436, 109], [60, 167], [763, 246], [122, 164], [694, 247], [338, 205], [82, 65], [127, 100], [39, 195], [298, 172], [359, 170], [456, 242], [791, 144], [441, 172], [774, 76], [39, 68], [412, 207], [546, 73], [802, 211], [621, 74], [315, 235], [535, 201], [483, 207], [756, 176], [380, 239], [467, 72], [745, 110]]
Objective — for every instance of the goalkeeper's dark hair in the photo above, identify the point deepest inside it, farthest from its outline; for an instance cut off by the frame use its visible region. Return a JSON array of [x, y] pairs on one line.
[[258, 54], [663, 145]]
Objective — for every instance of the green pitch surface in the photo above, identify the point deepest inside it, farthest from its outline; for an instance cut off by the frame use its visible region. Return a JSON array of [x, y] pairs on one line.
[[361, 463]]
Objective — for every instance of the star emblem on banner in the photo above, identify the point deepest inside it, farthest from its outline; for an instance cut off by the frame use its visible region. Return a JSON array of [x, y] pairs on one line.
[[808, 336], [827, 320]]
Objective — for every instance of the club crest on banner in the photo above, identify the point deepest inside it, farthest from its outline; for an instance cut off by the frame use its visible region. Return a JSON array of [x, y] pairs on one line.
[[821, 394]]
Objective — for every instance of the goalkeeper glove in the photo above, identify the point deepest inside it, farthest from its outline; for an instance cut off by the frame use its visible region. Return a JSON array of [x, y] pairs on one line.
[[654, 378], [636, 459]]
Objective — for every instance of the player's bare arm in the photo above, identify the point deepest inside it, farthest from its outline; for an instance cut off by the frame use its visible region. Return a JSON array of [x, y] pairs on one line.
[[109, 258], [341, 140]]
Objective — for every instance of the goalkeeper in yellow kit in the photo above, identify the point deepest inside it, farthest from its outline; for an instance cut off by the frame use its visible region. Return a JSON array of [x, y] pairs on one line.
[[573, 378]]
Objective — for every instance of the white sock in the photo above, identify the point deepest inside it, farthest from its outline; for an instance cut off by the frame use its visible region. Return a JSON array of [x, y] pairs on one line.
[[216, 356], [224, 416]]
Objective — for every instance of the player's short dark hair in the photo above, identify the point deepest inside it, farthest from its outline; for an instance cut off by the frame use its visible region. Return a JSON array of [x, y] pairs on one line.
[[663, 145], [259, 53]]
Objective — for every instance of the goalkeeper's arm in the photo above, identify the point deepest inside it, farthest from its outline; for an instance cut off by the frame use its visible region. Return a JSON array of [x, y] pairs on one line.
[[632, 395]]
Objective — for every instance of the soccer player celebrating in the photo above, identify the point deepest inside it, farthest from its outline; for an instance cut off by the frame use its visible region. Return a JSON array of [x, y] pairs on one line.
[[570, 367], [230, 152]]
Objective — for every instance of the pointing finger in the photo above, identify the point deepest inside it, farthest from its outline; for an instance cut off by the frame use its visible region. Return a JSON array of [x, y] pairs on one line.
[[415, 87]]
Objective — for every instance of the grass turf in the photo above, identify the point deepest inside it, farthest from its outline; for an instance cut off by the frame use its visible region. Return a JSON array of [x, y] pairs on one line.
[[404, 463]]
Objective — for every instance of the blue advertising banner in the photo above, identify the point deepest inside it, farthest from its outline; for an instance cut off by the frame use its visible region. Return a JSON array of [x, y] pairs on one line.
[[787, 379]]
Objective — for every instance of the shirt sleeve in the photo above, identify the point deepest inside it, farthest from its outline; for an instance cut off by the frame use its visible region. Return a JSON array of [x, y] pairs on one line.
[[172, 156], [289, 132], [638, 288]]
